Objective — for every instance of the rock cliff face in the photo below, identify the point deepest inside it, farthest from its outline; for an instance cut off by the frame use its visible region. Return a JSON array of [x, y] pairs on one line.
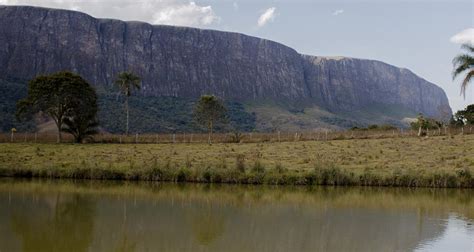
[[188, 62], [347, 83]]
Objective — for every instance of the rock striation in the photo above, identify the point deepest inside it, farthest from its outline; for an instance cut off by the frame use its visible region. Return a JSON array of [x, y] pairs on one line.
[[188, 62]]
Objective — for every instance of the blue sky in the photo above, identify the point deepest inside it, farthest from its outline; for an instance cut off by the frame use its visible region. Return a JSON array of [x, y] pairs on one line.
[[415, 34]]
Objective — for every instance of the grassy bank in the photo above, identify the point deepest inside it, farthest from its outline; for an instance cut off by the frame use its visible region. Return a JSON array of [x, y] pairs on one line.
[[414, 162]]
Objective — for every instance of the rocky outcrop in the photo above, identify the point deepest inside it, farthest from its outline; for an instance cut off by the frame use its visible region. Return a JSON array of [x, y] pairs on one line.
[[340, 83], [188, 62]]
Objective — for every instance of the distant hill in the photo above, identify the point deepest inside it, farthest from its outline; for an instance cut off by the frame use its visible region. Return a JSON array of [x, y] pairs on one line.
[[271, 86]]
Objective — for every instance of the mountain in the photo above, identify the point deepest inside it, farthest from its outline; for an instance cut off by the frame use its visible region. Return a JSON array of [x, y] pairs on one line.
[[281, 87]]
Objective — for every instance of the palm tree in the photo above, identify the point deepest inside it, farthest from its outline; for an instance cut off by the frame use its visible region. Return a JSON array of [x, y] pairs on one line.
[[127, 81], [464, 63]]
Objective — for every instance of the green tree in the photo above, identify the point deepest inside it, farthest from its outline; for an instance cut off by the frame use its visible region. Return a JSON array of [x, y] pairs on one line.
[[55, 95], [208, 111], [127, 81], [465, 116], [464, 63], [81, 121]]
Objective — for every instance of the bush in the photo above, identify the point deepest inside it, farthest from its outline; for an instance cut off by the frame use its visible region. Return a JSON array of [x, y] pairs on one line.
[[182, 175], [258, 167], [240, 163]]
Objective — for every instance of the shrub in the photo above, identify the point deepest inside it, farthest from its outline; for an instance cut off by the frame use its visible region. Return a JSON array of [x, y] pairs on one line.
[[182, 175], [207, 176], [240, 163], [279, 168], [464, 176], [258, 167]]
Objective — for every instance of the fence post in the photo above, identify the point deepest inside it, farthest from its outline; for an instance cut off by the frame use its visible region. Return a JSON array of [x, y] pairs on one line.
[[120, 139]]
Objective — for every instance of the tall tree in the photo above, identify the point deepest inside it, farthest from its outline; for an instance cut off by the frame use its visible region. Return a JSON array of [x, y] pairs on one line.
[[81, 121], [464, 63], [127, 81], [55, 95], [208, 111]]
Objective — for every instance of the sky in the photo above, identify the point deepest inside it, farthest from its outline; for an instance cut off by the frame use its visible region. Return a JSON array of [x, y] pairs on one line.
[[421, 35]]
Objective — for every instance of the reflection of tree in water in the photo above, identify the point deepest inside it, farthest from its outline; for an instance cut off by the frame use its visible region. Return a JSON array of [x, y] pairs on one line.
[[56, 224], [208, 225], [125, 245]]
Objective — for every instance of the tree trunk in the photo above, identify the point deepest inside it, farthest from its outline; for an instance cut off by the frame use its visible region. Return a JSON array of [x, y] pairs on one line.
[[126, 108], [209, 141], [59, 125]]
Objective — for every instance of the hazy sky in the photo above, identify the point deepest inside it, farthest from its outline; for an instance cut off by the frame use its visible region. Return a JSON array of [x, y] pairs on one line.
[[421, 35]]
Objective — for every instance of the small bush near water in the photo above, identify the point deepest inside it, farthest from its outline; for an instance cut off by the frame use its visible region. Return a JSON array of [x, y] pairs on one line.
[[331, 176]]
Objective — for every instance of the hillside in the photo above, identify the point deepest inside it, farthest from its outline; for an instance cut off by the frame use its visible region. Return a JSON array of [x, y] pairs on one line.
[[284, 89]]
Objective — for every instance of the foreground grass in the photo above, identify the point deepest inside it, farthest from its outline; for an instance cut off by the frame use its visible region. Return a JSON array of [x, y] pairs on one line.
[[413, 162]]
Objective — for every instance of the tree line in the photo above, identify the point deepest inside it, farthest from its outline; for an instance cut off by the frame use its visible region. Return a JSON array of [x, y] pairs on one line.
[[71, 102]]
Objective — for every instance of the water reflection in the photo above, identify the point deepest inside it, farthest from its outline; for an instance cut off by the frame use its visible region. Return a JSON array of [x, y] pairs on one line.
[[66, 216], [54, 222]]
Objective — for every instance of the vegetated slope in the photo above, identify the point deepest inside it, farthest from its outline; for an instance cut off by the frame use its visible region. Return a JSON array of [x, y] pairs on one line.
[[187, 62], [148, 114]]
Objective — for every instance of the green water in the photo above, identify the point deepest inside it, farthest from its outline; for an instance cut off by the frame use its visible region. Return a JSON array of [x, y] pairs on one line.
[[104, 216]]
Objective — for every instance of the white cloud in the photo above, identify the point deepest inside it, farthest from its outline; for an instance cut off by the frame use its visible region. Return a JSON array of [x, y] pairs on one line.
[[464, 37], [235, 5], [172, 12], [186, 14], [267, 16], [337, 12]]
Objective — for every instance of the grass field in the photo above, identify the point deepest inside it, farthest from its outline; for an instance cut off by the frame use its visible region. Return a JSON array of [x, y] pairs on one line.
[[444, 161]]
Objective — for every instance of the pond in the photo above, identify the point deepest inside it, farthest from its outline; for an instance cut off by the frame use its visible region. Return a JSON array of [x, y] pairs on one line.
[[42, 215]]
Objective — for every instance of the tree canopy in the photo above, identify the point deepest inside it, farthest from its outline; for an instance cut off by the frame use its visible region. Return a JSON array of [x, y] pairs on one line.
[[127, 81], [465, 116], [59, 95], [464, 63], [81, 121], [208, 111]]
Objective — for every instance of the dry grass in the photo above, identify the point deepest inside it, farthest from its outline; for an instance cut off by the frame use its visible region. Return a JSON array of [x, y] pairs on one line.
[[434, 161], [249, 137]]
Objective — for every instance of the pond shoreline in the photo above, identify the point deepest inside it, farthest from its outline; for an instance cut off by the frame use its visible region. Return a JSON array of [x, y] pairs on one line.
[[436, 162], [322, 176]]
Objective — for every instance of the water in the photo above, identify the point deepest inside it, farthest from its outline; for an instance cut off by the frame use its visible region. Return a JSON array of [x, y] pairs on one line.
[[104, 216]]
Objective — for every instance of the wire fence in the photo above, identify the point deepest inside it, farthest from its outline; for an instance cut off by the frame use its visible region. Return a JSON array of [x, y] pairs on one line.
[[250, 137]]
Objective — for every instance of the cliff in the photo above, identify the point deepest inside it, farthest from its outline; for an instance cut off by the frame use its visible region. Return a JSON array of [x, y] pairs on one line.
[[187, 62]]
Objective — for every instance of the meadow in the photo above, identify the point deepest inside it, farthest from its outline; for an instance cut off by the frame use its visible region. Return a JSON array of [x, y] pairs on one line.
[[435, 161]]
